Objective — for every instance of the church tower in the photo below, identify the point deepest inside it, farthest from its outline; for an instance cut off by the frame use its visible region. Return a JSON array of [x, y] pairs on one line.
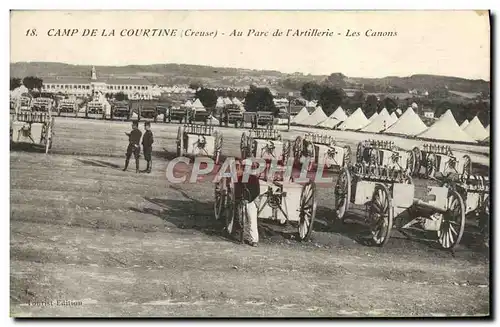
[[94, 75]]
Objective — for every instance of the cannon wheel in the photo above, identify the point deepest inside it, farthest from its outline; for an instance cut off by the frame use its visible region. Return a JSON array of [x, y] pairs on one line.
[[467, 165], [244, 145], [220, 195], [453, 222], [417, 154], [307, 209], [342, 193], [484, 221], [287, 148], [234, 211], [359, 152], [381, 215], [430, 165], [347, 155], [180, 141], [217, 147]]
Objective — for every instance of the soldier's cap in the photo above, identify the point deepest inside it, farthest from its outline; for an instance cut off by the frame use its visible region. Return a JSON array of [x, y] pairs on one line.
[[135, 123], [147, 123]]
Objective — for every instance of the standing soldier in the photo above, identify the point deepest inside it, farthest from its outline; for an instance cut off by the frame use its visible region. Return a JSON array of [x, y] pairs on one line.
[[147, 145], [134, 137]]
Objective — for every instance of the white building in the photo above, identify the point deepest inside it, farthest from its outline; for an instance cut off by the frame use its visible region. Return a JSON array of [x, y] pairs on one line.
[[134, 88]]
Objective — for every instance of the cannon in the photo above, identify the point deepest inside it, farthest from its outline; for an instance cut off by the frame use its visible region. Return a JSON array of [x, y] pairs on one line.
[[435, 158], [231, 114], [148, 112], [385, 154], [120, 110], [42, 104], [266, 144], [389, 196], [32, 127], [67, 108], [177, 114], [95, 110], [475, 191], [321, 150], [199, 140], [276, 198]]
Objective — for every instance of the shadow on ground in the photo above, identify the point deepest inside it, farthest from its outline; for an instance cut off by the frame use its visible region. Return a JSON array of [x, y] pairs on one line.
[[99, 163]]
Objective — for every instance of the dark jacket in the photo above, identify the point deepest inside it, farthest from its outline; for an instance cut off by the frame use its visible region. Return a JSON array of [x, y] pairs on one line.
[[147, 140], [134, 137]]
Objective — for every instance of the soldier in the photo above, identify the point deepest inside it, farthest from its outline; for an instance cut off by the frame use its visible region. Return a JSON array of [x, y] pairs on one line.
[[134, 137], [147, 145]]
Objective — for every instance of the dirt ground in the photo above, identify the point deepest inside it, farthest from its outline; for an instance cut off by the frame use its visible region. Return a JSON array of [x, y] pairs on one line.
[[88, 239]]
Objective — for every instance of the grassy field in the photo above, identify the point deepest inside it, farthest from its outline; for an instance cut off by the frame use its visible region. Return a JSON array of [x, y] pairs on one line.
[[122, 244]]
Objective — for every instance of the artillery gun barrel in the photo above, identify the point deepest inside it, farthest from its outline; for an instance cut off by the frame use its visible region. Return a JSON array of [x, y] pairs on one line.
[[424, 205]]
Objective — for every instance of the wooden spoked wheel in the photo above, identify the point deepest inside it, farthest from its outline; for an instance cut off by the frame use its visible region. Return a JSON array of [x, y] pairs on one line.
[[307, 211], [453, 222], [218, 140], [467, 168], [347, 155], [430, 165], [342, 193], [180, 141], [297, 148], [220, 195], [410, 162], [484, 221], [244, 145], [417, 154], [381, 215], [360, 153], [287, 149]]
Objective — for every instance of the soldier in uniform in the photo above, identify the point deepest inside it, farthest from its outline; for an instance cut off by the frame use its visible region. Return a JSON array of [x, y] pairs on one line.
[[134, 138], [147, 145]]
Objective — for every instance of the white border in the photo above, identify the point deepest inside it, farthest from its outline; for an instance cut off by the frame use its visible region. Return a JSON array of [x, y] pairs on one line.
[[185, 4]]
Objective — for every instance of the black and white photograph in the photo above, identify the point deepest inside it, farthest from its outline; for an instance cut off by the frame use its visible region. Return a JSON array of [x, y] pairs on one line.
[[250, 164]]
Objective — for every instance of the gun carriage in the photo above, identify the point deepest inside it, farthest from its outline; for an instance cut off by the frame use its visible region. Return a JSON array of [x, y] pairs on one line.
[[120, 110], [389, 198], [231, 114], [321, 150], [264, 144], [177, 114], [67, 108], [276, 198], [200, 116], [199, 140], [148, 112], [434, 158], [95, 110], [41, 104], [32, 127], [385, 154]]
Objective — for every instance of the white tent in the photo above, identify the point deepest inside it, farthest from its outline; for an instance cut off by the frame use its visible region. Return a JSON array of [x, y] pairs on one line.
[[197, 105], [302, 115], [311, 104], [18, 91], [220, 103], [236, 102], [339, 114], [330, 122], [408, 124], [488, 130], [446, 129], [399, 112], [212, 120], [227, 101], [375, 114], [188, 104], [464, 124], [355, 121], [393, 118], [315, 118], [379, 123], [476, 130]]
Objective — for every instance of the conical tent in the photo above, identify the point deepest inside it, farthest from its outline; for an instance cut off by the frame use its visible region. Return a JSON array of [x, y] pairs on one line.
[[236, 101], [188, 104], [220, 102], [464, 124], [355, 121], [302, 115], [476, 130], [315, 118], [375, 115], [408, 124], [379, 123], [393, 118], [197, 105], [227, 101], [330, 122], [339, 114], [446, 129]]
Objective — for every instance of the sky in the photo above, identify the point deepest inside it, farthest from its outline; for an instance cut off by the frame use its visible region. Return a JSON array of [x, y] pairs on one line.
[[451, 43]]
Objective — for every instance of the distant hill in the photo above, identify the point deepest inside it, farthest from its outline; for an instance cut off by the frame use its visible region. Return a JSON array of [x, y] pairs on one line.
[[217, 76]]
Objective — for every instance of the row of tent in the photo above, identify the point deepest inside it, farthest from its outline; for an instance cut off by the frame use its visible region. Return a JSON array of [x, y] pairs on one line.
[[408, 124], [221, 102]]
